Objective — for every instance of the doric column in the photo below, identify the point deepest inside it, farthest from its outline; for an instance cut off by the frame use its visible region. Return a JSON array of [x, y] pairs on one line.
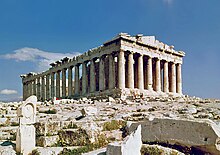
[[101, 73], [173, 78], [121, 70], [84, 78], [47, 86], [76, 80], [149, 74], [43, 88], [165, 77], [64, 82], [179, 79], [140, 72], [38, 88], [58, 84], [24, 91], [52, 85], [130, 70], [70, 81], [34, 87], [92, 76], [29, 88], [111, 72], [158, 80]]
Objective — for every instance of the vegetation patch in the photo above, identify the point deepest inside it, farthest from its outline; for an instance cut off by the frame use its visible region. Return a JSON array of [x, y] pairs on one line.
[[113, 125]]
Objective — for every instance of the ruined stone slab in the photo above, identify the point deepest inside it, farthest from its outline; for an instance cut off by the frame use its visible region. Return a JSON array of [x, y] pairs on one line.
[[47, 128], [200, 134], [7, 150], [47, 141], [130, 146]]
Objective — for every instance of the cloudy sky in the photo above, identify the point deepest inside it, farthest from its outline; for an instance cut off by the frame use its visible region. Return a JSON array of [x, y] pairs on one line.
[[35, 33]]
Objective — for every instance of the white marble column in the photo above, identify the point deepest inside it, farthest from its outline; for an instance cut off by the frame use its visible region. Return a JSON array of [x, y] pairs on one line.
[[24, 91], [34, 87], [101, 73], [173, 78], [131, 70], [52, 86], [149, 74], [179, 79], [58, 84], [64, 82], [38, 89], [121, 70], [84, 78], [70, 81], [165, 77], [92, 76], [76, 80], [48, 86], [140, 73], [158, 80], [29, 88], [43, 88], [111, 71]]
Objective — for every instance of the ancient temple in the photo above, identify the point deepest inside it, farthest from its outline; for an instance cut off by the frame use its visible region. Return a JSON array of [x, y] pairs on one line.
[[123, 66]]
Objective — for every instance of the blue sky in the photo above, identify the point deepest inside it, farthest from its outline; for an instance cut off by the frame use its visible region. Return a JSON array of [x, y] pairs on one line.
[[34, 33]]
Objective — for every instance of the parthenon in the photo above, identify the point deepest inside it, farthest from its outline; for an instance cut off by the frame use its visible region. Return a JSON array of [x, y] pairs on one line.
[[122, 66]]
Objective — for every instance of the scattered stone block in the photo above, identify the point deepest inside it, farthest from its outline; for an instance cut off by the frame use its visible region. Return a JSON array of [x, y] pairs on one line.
[[89, 111], [7, 150], [47, 141], [130, 146], [203, 135]]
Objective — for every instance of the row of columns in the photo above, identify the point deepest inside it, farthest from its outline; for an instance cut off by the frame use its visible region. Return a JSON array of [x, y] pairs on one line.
[[140, 73]]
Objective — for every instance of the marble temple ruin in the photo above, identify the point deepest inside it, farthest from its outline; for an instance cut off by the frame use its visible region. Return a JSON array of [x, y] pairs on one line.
[[123, 66]]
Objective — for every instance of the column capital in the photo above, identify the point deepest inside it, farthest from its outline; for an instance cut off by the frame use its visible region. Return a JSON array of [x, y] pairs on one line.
[[70, 67]]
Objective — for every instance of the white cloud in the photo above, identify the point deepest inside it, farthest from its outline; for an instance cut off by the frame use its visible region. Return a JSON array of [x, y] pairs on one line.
[[8, 92], [41, 58]]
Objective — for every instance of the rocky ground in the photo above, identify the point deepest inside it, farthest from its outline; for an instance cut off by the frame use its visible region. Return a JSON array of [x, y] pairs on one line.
[[76, 126]]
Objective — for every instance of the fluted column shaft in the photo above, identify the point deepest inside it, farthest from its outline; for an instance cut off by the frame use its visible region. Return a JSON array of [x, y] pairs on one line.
[[121, 70], [24, 94], [58, 84], [149, 74], [140, 72], [84, 78], [157, 73], [64, 82], [34, 86], [179, 79], [38, 88], [111, 72], [30, 88], [130, 71], [173, 78], [92, 76], [165, 77], [101, 73], [52, 86], [43, 88], [24, 91], [70, 81], [47, 86], [76, 80]]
